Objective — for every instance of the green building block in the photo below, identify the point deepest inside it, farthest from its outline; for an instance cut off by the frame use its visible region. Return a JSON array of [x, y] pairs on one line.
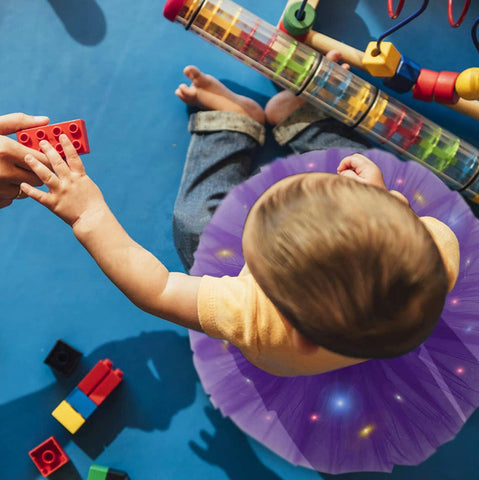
[[97, 472]]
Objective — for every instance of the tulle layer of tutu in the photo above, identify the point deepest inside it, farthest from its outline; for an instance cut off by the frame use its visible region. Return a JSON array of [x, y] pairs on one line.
[[367, 417]]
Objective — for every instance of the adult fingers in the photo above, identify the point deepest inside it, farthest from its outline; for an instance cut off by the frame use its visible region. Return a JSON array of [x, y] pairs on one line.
[[42, 172], [13, 122], [5, 203], [56, 161], [14, 152], [9, 191], [18, 175], [73, 159]]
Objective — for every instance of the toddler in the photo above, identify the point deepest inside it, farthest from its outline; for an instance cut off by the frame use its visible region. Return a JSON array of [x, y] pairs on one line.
[[337, 269]]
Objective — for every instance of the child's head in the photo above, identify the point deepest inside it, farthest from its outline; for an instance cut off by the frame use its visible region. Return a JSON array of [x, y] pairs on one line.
[[349, 265]]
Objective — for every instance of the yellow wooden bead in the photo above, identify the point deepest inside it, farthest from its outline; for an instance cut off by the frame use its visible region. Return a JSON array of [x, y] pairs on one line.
[[68, 417], [467, 84], [382, 64]]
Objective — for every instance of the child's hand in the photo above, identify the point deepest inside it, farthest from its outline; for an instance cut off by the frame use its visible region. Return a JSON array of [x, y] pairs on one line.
[[360, 168], [71, 193]]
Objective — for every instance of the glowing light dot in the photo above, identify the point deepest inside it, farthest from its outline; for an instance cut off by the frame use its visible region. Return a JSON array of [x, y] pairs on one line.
[[268, 417], [454, 301], [469, 329], [314, 417], [248, 381], [460, 370], [398, 397], [399, 181], [311, 165], [340, 403], [419, 198], [224, 253], [366, 431]]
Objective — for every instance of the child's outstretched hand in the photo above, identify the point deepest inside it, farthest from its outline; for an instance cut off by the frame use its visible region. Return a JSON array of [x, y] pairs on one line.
[[360, 168], [71, 193]]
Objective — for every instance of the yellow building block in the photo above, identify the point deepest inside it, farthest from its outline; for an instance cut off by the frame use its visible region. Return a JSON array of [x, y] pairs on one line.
[[467, 84], [68, 417], [382, 64]]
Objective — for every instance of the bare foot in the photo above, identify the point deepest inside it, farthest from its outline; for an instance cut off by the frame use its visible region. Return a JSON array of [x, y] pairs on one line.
[[208, 93], [286, 102]]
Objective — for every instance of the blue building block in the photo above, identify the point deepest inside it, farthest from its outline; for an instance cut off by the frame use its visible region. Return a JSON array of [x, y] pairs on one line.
[[405, 77], [81, 403]]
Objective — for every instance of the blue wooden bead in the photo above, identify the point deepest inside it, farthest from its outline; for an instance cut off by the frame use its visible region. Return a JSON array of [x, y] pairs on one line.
[[405, 77]]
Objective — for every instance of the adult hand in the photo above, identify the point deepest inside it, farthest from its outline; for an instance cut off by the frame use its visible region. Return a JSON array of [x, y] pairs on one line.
[[13, 169], [360, 168]]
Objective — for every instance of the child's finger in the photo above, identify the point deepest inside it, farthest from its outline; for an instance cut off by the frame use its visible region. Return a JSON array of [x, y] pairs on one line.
[[351, 174], [56, 161], [345, 164], [73, 159], [39, 195], [42, 172]]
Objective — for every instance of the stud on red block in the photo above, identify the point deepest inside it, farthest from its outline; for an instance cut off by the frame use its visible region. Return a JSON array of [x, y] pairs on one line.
[[74, 129], [48, 456], [93, 378], [445, 88], [106, 386]]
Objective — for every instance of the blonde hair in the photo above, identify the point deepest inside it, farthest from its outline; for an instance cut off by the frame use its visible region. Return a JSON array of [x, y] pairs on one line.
[[350, 266]]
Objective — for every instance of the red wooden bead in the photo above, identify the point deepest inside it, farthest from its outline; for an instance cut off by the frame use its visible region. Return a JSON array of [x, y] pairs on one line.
[[444, 90], [424, 88]]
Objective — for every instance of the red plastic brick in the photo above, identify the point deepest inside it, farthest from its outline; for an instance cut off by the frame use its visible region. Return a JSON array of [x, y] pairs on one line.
[[445, 88], [74, 129], [106, 386], [95, 376], [425, 83], [48, 456]]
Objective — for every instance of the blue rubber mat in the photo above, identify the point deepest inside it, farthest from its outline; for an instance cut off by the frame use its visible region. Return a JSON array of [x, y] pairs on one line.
[[116, 64]]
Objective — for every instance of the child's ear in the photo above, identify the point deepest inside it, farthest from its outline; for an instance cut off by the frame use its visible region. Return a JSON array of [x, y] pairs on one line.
[[302, 344]]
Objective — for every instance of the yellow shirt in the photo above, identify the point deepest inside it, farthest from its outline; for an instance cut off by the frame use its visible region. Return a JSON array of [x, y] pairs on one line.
[[236, 309]]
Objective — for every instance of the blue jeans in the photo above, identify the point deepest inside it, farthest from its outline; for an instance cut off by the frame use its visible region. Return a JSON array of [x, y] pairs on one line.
[[220, 156]]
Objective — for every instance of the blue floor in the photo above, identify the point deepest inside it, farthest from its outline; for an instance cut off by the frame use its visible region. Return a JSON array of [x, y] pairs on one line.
[[116, 63]]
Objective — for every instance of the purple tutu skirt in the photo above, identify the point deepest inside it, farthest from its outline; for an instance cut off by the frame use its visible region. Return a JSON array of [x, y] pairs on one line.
[[367, 417]]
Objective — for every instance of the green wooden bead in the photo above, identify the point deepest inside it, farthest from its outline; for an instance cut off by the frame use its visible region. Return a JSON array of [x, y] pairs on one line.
[[296, 27]]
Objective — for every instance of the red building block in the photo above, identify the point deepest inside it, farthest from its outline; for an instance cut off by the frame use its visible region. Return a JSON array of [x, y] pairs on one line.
[[74, 129], [95, 376], [106, 386], [48, 456]]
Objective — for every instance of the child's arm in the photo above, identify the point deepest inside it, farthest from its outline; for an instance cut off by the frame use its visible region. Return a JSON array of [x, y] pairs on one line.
[[77, 200]]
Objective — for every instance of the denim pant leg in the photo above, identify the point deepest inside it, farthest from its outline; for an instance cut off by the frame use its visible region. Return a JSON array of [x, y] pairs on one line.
[[219, 158], [308, 128]]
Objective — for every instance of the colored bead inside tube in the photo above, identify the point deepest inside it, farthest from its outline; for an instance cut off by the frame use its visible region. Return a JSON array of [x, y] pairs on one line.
[[342, 94]]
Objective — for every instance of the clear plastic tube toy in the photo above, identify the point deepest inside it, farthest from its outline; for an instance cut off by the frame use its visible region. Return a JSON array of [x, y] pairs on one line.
[[340, 93]]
